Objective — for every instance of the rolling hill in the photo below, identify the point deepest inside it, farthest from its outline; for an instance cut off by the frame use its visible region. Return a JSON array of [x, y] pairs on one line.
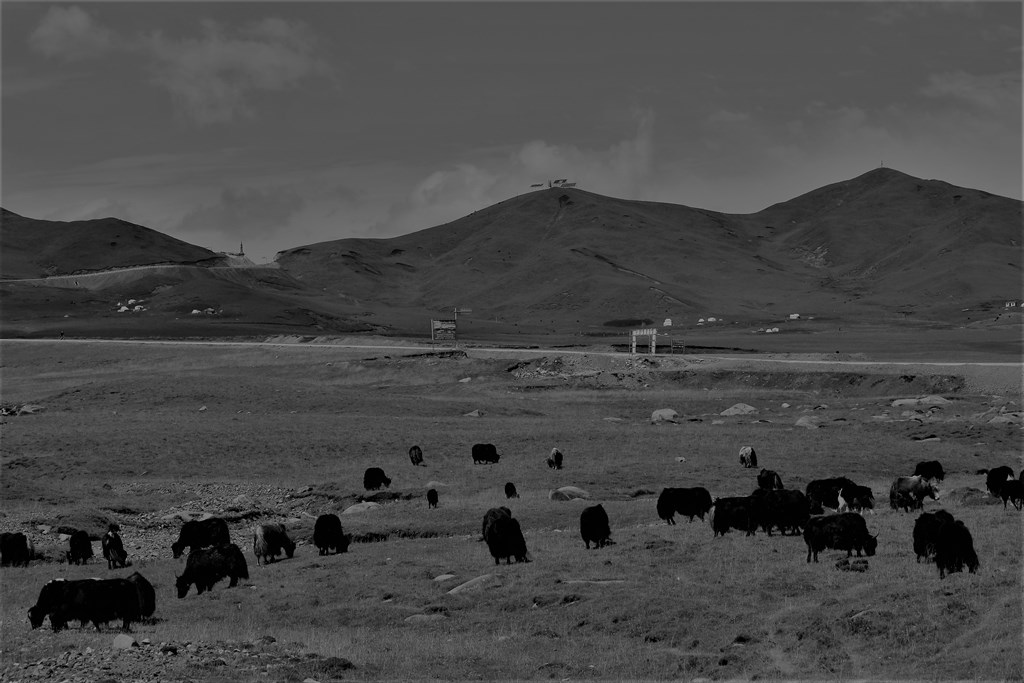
[[881, 248], [32, 248], [884, 244]]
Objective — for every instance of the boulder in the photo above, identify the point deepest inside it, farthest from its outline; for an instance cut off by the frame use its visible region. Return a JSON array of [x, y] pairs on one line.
[[664, 415], [739, 409], [807, 422], [360, 507], [568, 493], [124, 642]]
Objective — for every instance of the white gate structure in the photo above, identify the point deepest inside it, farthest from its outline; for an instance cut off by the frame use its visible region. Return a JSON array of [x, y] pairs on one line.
[[651, 332]]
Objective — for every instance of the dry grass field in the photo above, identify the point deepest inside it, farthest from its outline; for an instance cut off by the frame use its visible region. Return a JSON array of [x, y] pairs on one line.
[[139, 433]]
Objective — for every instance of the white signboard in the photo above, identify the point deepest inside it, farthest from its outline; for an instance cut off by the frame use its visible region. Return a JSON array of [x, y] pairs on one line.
[[442, 330]]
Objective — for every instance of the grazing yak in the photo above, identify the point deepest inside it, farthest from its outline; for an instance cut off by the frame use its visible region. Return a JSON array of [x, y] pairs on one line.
[[954, 549], [328, 534], [1012, 490], [510, 490], [268, 540], [555, 459], [113, 548], [15, 549], [207, 566], [994, 479], [691, 502], [594, 526], [785, 509], [503, 536], [416, 455], [856, 499], [199, 534], [485, 452], [99, 601], [926, 532], [930, 469], [748, 458], [733, 513], [432, 498], [769, 479], [909, 493], [843, 531], [374, 478], [824, 493], [147, 595], [80, 548]]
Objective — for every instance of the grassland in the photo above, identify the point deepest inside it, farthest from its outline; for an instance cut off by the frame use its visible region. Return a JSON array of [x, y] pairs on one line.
[[135, 433]]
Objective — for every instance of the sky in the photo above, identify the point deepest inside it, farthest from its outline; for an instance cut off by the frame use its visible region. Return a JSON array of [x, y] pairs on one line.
[[279, 124]]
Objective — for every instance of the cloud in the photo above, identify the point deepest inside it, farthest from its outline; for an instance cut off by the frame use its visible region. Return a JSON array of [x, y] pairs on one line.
[[989, 91], [245, 211], [624, 168], [70, 33], [211, 77]]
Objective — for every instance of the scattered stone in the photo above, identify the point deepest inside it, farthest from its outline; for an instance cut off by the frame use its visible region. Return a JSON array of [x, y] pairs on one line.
[[124, 642], [203, 408], [739, 409], [680, 459], [613, 419], [928, 437], [924, 400], [472, 584], [475, 413], [464, 380], [852, 565], [807, 422], [664, 415], [444, 577], [568, 493], [424, 618], [360, 507]]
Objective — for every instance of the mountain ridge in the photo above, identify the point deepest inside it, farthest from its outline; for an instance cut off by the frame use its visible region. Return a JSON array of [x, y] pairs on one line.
[[881, 246]]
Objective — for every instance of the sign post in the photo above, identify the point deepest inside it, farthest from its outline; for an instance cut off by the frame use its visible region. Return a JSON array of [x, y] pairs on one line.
[[442, 330]]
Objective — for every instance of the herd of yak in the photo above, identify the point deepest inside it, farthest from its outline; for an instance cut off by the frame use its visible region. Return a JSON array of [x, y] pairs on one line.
[[213, 557]]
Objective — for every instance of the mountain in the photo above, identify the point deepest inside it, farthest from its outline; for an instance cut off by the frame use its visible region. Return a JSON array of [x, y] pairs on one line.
[[880, 249], [884, 244], [32, 248]]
